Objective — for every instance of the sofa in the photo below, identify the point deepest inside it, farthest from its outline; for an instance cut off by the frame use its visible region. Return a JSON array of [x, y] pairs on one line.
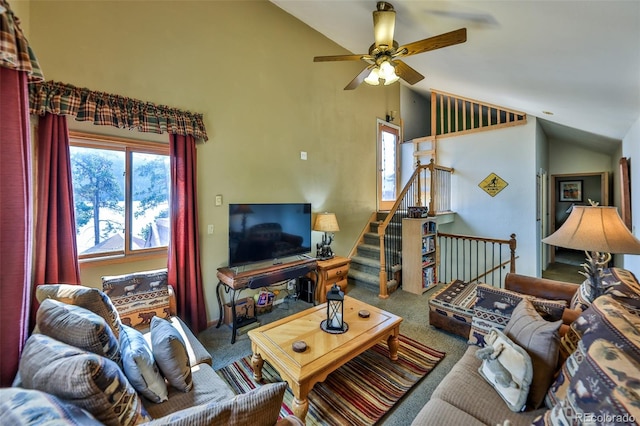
[[530, 362], [121, 357]]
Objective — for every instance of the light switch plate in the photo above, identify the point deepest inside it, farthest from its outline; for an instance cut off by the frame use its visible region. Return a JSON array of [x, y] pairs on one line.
[[218, 200]]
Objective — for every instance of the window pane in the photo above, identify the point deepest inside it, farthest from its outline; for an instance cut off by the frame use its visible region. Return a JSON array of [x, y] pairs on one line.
[[150, 192], [98, 194], [388, 166]]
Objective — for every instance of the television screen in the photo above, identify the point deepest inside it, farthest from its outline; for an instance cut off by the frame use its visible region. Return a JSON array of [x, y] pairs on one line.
[[263, 232]]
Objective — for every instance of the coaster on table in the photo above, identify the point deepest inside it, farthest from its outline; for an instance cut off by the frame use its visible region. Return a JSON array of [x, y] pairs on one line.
[[299, 346], [364, 314]]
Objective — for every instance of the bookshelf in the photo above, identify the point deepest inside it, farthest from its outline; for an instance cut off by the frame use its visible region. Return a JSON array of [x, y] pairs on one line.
[[419, 254]]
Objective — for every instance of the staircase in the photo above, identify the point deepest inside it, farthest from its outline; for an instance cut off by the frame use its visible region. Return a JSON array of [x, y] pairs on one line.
[[365, 264]]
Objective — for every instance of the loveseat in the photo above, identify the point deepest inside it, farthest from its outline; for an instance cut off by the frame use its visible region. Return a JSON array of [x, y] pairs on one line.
[[125, 359], [587, 376]]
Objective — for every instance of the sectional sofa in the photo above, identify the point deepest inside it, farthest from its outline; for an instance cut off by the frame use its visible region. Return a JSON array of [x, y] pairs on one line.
[[573, 365]]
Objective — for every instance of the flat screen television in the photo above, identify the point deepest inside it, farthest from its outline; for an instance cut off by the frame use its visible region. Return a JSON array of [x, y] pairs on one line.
[[268, 232]]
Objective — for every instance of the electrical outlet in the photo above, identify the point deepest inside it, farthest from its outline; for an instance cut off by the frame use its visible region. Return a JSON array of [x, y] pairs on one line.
[[291, 285]]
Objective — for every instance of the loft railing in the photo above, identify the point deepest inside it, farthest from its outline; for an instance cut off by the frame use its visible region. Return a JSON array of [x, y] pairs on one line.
[[476, 259], [429, 185], [455, 115]]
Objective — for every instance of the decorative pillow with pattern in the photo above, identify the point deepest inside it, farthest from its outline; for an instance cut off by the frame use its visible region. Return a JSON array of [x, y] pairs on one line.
[[507, 367], [140, 367], [171, 354], [89, 298], [603, 390], [79, 327], [94, 383], [582, 298], [605, 319], [139, 296], [541, 341], [27, 407], [494, 307], [623, 286]]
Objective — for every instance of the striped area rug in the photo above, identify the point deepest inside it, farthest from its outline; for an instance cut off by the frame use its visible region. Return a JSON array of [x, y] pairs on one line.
[[358, 393]]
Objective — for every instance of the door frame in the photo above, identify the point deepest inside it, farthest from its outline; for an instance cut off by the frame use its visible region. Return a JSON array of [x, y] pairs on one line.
[[397, 130], [553, 184]]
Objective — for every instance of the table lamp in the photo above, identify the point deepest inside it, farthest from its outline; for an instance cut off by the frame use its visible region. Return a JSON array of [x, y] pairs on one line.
[[599, 231], [327, 223]]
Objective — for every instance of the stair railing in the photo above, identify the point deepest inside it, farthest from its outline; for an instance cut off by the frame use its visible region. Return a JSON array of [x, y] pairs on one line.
[[475, 259], [428, 185]]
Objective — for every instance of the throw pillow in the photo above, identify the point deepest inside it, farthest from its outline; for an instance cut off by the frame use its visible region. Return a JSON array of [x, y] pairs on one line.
[[29, 407], [583, 298], [603, 390], [79, 327], [87, 297], [171, 354], [139, 296], [507, 367], [540, 339], [605, 319], [494, 307], [258, 407], [94, 383], [140, 367]]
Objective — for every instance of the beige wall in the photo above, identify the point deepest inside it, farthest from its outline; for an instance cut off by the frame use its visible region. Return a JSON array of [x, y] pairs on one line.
[[247, 66]]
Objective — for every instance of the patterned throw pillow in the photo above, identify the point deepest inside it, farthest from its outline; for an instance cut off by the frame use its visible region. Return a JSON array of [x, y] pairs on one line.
[[494, 307], [171, 354], [140, 367], [619, 283], [27, 407], [540, 339], [79, 327], [94, 383], [583, 298], [89, 298], [603, 390], [605, 319], [139, 296], [507, 367]]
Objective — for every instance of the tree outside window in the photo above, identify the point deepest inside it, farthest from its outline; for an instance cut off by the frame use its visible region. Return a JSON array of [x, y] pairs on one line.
[[121, 196]]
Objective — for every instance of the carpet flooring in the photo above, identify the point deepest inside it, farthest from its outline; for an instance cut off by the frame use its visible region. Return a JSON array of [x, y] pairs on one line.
[[412, 308], [359, 393]]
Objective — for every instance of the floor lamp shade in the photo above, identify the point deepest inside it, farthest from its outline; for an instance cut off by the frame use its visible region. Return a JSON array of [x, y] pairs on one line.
[[595, 229]]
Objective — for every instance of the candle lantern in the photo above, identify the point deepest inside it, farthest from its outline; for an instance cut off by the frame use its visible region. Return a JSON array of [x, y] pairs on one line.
[[335, 309]]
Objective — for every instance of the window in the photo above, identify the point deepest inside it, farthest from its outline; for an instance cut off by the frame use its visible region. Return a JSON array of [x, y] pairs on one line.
[[121, 195]]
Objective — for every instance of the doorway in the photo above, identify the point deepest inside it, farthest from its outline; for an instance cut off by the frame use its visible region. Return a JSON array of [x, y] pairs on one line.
[[388, 164], [566, 191]]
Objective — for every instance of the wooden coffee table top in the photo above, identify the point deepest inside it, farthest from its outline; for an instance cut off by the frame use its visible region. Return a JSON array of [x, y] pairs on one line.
[[325, 351]]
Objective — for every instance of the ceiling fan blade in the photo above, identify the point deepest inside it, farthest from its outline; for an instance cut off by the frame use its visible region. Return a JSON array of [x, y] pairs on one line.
[[407, 73], [339, 58], [384, 22], [359, 78], [433, 43]]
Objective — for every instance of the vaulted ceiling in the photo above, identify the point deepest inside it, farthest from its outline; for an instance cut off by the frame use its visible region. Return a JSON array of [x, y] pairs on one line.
[[576, 59]]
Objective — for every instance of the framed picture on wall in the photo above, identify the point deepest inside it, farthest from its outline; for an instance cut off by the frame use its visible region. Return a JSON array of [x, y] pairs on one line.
[[571, 190]]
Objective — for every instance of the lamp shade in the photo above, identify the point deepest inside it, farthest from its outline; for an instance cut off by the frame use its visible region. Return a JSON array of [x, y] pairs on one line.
[[596, 229], [326, 222]]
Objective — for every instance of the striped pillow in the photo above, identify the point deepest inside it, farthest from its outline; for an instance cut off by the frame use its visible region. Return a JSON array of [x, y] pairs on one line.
[[79, 327], [94, 383], [89, 298]]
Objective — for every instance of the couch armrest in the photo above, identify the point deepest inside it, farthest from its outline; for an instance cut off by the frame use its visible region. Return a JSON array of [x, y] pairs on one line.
[[540, 287]]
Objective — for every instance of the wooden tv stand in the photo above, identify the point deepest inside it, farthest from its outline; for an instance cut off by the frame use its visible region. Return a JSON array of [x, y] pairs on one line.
[[233, 281]]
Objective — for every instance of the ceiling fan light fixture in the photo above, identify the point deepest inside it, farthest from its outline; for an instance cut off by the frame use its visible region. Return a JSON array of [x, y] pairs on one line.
[[388, 73], [374, 77]]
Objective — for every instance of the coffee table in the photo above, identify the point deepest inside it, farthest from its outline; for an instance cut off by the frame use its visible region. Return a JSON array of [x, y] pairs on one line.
[[325, 352]]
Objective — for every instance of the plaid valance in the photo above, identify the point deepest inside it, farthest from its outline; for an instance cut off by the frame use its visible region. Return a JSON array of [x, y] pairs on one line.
[[15, 52], [113, 110]]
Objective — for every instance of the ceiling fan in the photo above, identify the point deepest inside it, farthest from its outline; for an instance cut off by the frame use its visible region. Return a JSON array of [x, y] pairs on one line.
[[384, 52]]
